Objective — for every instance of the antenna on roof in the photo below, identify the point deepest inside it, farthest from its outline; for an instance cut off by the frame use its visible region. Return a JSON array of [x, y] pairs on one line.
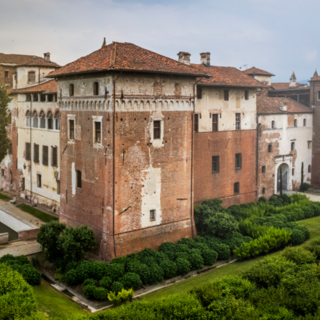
[[104, 43]]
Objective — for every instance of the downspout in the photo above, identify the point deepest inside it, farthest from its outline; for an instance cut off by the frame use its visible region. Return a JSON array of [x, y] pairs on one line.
[[31, 149]]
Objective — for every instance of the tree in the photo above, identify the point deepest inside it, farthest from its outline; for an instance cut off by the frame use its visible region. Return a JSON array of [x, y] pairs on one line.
[[4, 140], [301, 186]]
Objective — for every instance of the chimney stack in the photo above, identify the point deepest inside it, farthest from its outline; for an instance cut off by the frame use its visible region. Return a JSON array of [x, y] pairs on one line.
[[184, 57], [47, 56], [205, 58]]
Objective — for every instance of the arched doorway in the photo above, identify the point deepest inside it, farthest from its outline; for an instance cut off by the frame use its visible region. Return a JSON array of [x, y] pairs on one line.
[[285, 177]]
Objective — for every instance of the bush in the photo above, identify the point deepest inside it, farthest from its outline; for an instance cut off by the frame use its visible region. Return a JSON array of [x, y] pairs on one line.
[[169, 269], [196, 261], [121, 260], [72, 265], [142, 270], [121, 298], [187, 241], [100, 293], [298, 255], [161, 256], [91, 282], [156, 274], [297, 237], [183, 266], [316, 208], [262, 199], [285, 199], [116, 286], [305, 186], [222, 249], [115, 271], [235, 211], [308, 212], [72, 277], [221, 225], [209, 257], [7, 257], [31, 274], [105, 282], [182, 248], [88, 291], [131, 280], [182, 255], [167, 247], [86, 270]]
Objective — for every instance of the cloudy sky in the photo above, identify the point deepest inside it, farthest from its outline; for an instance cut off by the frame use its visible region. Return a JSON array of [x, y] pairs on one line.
[[275, 35]]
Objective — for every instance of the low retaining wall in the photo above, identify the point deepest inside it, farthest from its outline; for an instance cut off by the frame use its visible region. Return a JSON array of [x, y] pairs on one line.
[[4, 238], [28, 234]]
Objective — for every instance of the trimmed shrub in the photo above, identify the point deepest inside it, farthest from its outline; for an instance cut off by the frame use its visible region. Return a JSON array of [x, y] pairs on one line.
[[297, 237], [316, 208], [304, 229], [89, 282], [187, 241], [72, 277], [72, 265], [121, 260], [88, 291], [61, 265], [209, 257], [196, 261], [22, 259], [147, 253], [233, 242], [262, 199], [167, 247], [131, 280], [86, 270], [116, 287], [308, 212], [105, 282], [31, 274], [298, 255], [305, 186], [161, 256], [115, 271], [182, 255], [142, 270], [223, 251], [201, 246], [148, 261], [100, 293], [169, 269], [183, 266], [285, 199], [182, 248], [7, 257], [156, 274]]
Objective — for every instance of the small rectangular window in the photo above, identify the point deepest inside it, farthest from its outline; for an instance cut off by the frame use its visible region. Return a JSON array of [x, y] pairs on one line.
[[152, 215], [199, 93], [263, 169], [295, 122], [36, 153], [97, 129], [236, 188], [214, 122], [79, 181], [238, 161], [226, 95], [196, 123], [2, 172], [309, 144], [304, 122], [31, 76], [156, 130], [71, 129], [39, 180], [246, 94], [238, 121], [58, 186], [215, 164], [263, 190], [293, 171], [6, 74], [23, 184], [28, 151], [45, 155], [54, 156]]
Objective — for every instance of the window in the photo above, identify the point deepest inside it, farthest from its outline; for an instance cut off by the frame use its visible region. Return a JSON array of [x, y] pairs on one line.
[[309, 168], [273, 124], [246, 95], [304, 122], [35, 119], [238, 121], [263, 190], [23, 184], [71, 90], [45, 155], [196, 123], [31, 76], [28, 119], [79, 182], [50, 120], [58, 186], [28, 151], [2, 172], [71, 129], [236, 188], [54, 156], [292, 146], [152, 215], [6, 74], [270, 148], [10, 148], [199, 93], [293, 171], [39, 180], [215, 164], [309, 144], [36, 153], [226, 95], [97, 129], [156, 130], [57, 121], [42, 120], [10, 177], [295, 122], [214, 122], [96, 89], [238, 161], [263, 169]]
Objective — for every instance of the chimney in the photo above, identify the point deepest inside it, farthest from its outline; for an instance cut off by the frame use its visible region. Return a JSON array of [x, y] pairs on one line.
[[184, 57], [283, 106], [205, 58], [47, 56]]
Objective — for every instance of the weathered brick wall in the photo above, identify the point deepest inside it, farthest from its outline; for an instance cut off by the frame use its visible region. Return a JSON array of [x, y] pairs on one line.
[[6, 81], [225, 144]]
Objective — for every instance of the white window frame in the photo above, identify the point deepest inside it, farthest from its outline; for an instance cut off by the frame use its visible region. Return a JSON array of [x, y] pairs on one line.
[[94, 143], [71, 117]]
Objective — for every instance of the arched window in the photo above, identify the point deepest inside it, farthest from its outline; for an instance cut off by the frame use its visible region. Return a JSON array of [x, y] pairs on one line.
[[273, 124], [71, 90], [304, 122], [57, 121], [42, 120], [28, 118], [295, 122], [31, 76], [292, 145], [309, 168], [96, 89], [35, 119], [50, 120], [9, 118], [270, 148]]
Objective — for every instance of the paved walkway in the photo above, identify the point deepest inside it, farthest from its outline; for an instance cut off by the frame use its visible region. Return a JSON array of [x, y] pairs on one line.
[[311, 196]]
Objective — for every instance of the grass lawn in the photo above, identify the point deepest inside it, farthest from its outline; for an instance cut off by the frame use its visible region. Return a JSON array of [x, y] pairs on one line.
[[37, 213], [4, 197], [312, 224], [54, 304]]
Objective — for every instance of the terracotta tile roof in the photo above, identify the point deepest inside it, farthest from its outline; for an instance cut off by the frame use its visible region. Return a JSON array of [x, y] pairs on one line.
[[26, 60], [47, 87], [286, 85], [226, 77], [125, 57], [315, 79], [257, 72], [271, 105]]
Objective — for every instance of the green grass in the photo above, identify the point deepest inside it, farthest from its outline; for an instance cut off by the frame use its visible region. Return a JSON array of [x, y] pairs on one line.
[[37, 213], [4, 197], [312, 224], [53, 303]]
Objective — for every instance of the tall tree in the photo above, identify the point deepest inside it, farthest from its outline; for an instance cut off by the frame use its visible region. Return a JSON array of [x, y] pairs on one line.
[[301, 185], [4, 140]]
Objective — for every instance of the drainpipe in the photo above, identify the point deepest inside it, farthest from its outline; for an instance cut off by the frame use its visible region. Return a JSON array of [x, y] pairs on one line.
[[30, 129]]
